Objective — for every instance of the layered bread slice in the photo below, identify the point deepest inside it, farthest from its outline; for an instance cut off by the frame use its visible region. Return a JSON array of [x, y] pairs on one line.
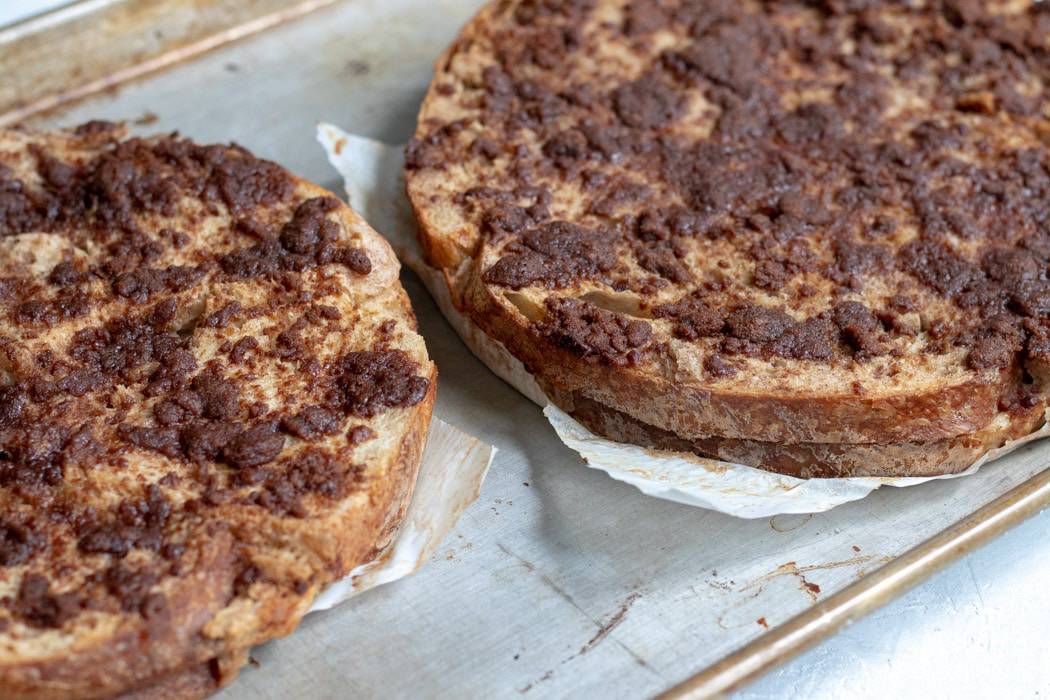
[[213, 401], [823, 460], [791, 223]]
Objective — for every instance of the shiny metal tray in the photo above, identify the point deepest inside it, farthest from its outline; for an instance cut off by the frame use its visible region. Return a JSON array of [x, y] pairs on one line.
[[558, 580]]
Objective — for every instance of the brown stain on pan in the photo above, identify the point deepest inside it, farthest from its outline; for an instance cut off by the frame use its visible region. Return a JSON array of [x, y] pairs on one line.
[[869, 593]]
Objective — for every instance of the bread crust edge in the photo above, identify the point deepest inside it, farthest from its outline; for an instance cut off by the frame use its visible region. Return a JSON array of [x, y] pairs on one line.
[[696, 411]]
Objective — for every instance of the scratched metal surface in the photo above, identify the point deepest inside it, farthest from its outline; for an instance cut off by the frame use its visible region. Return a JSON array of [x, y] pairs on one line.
[[558, 580]]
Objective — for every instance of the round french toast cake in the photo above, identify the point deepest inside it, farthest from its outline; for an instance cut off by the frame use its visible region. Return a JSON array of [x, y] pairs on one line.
[[812, 235], [213, 401]]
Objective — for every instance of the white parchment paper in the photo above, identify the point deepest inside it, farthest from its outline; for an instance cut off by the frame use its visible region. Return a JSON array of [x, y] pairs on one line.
[[373, 177], [451, 472], [452, 469]]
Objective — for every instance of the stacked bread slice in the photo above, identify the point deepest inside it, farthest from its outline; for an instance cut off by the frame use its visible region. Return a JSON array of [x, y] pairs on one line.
[[809, 237], [213, 401]]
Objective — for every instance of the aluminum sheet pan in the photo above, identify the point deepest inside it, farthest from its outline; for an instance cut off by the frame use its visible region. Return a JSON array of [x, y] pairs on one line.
[[559, 580]]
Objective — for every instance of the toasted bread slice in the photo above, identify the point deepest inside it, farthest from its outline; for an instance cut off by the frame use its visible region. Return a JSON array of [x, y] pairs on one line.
[[776, 222], [213, 401], [818, 459]]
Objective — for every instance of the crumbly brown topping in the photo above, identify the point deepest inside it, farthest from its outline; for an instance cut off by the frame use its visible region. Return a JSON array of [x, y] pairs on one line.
[[165, 308], [595, 333], [827, 157]]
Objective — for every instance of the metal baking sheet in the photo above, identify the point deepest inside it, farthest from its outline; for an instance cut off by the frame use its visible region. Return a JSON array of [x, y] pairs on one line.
[[558, 580], [80, 48]]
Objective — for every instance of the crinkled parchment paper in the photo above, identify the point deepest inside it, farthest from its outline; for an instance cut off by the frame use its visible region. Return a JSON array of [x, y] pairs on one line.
[[372, 172], [450, 475]]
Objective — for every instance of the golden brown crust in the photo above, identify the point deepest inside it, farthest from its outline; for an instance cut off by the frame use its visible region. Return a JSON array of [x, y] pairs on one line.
[[729, 219], [222, 488], [697, 411], [204, 678], [121, 659], [446, 244], [190, 684], [195, 681], [814, 460]]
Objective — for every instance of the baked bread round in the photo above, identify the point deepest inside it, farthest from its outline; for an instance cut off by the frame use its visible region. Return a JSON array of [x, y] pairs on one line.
[[785, 222], [213, 401]]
